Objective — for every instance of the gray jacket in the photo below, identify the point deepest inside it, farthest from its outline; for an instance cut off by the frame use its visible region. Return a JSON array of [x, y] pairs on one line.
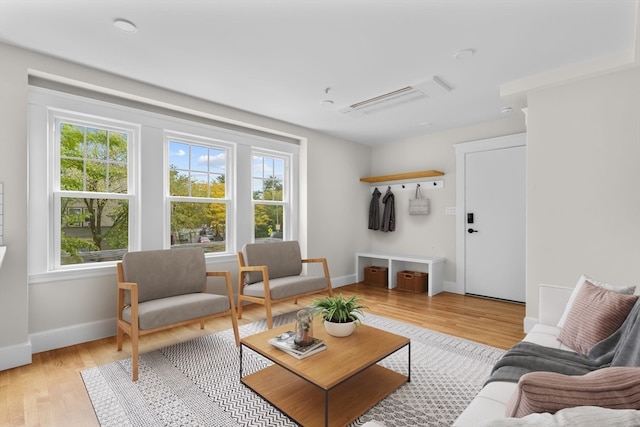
[[374, 210], [389, 214]]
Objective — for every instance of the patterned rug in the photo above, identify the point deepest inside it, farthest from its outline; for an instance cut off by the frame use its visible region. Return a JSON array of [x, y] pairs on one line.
[[195, 383]]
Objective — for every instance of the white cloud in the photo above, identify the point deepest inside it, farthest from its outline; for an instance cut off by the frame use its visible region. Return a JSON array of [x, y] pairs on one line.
[[215, 162]]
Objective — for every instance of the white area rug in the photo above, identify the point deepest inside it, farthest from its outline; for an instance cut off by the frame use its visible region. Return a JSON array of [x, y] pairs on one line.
[[196, 383]]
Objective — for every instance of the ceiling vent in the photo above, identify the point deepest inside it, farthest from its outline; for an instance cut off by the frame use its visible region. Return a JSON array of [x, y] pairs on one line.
[[423, 90]]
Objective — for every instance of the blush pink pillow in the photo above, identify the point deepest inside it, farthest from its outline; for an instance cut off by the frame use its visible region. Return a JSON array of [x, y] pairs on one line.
[[595, 314], [614, 388]]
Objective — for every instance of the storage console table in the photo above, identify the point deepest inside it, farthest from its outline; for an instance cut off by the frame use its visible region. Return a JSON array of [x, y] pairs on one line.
[[433, 266]]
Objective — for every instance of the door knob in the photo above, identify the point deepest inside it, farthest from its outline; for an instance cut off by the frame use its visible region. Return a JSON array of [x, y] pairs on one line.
[[471, 230]]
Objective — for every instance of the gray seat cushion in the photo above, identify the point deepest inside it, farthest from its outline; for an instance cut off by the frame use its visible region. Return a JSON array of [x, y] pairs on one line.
[[284, 287], [166, 311], [165, 273], [282, 258]]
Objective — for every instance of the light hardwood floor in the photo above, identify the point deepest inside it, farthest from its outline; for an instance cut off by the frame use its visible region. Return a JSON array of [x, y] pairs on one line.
[[50, 391]]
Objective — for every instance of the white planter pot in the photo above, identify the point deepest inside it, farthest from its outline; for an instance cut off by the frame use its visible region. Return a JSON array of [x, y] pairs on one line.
[[340, 329]]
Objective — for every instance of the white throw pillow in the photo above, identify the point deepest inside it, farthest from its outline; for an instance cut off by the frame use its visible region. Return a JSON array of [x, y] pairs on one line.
[[626, 290]]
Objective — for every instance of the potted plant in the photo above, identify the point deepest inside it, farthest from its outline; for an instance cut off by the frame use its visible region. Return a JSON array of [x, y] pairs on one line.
[[339, 314]]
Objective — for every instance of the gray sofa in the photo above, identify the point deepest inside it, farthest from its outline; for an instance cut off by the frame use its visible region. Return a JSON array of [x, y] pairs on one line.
[[272, 272], [162, 289]]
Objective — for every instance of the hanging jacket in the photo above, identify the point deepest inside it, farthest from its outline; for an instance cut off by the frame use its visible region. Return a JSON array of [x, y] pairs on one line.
[[374, 210], [389, 214]]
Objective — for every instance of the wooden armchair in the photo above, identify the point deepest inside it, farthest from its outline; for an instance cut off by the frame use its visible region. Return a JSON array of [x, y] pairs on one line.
[[162, 289], [271, 272]]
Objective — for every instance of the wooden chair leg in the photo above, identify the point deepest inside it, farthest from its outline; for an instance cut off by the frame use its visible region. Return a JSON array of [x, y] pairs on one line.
[[236, 333], [239, 310], [134, 354], [202, 324], [119, 334], [267, 306]]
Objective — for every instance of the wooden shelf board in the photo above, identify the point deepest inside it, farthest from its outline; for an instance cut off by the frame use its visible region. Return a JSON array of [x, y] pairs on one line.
[[402, 176]]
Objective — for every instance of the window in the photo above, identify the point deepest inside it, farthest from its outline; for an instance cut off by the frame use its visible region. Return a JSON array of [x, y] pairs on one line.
[[91, 189], [270, 203], [106, 178], [198, 194]]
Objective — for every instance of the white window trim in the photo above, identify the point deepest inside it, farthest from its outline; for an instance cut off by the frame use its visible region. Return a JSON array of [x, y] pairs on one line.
[[57, 116]]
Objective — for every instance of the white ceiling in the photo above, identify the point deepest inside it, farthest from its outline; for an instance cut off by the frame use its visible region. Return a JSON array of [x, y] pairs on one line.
[[277, 57]]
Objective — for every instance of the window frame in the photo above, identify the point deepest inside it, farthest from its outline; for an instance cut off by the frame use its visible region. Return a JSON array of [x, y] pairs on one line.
[[149, 225], [56, 118], [287, 230], [229, 182]]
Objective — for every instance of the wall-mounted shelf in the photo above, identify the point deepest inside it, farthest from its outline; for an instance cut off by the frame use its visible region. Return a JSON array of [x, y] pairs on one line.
[[402, 176]]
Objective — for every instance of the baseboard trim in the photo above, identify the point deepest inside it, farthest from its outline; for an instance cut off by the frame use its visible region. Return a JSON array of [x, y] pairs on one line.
[[15, 355], [337, 282], [71, 335], [453, 287]]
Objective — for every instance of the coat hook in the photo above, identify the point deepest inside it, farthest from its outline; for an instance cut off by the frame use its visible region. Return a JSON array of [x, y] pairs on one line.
[[402, 185]]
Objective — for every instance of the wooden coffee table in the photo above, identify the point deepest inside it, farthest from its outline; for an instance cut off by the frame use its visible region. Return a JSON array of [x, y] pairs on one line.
[[333, 387]]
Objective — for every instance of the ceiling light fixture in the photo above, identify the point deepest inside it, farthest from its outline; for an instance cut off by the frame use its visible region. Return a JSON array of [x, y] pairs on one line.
[[506, 110], [464, 54], [124, 25], [327, 103]]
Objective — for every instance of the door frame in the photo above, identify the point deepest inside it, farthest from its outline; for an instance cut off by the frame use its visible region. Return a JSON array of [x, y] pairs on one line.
[[462, 149]]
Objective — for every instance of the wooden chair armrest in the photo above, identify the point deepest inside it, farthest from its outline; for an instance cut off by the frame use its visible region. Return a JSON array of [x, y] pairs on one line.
[[127, 285], [133, 293], [253, 268], [218, 273], [227, 276], [261, 268], [309, 260], [325, 266]]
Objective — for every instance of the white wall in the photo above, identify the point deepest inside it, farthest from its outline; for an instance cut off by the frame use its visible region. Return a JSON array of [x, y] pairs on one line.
[[583, 202], [337, 205], [41, 316], [583, 182], [14, 340], [434, 234]]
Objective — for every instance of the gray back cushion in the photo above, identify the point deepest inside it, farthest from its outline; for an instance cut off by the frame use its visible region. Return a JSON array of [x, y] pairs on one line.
[[282, 258], [165, 273]]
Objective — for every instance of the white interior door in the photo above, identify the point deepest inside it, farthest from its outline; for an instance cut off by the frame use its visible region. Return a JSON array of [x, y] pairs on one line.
[[494, 221]]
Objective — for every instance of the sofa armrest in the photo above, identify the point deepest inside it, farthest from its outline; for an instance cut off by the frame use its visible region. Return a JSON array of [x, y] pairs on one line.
[[552, 301]]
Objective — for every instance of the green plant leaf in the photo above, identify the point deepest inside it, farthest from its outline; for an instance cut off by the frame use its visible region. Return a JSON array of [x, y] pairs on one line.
[[338, 309]]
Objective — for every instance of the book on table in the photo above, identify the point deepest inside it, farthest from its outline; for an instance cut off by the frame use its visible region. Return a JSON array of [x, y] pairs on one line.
[[286, 343]]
